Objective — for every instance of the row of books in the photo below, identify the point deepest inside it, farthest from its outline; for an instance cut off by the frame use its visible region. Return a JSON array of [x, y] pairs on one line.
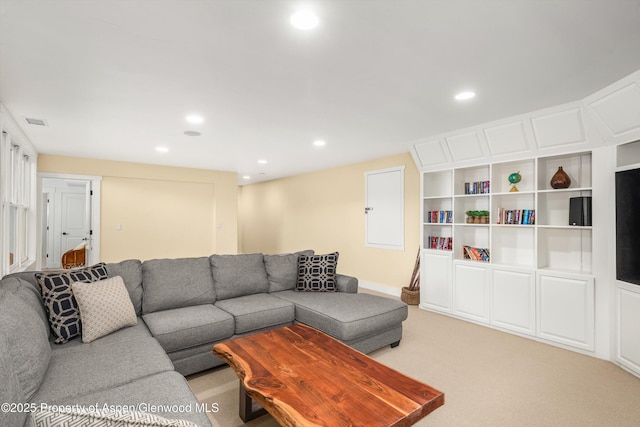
[[478, 187], [437, 242], [515, 216], [475, 254], [441, 217]]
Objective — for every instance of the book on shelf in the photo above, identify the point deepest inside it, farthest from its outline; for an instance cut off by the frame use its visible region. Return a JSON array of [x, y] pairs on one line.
[[475, 254], [440, 217], [516, 216], [478, 187], [441, 243]]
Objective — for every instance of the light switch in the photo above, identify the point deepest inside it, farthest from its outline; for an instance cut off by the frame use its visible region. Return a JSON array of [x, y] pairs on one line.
[[119, 227]]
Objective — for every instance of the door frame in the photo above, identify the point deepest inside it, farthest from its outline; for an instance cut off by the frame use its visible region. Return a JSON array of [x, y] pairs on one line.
[[94, 241]]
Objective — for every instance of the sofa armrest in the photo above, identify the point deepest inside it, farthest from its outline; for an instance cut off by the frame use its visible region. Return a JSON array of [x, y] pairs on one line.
[[347, 283]]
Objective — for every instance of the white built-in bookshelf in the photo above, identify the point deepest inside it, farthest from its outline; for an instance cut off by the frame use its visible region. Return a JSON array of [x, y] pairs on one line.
[[536, 259], [547, 241]]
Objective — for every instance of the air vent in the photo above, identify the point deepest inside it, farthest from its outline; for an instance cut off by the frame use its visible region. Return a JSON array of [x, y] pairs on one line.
[[36, 122], [192, 133]]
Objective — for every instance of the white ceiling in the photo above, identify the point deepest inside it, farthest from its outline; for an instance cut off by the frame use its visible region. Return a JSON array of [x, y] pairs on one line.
[[114, 79]]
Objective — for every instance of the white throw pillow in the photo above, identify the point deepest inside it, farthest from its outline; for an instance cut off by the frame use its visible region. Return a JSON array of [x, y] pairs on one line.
[[95, 417], [105, 307]]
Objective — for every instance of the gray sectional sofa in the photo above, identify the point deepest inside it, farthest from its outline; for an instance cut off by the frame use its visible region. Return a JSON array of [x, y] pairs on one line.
[[183, 307]]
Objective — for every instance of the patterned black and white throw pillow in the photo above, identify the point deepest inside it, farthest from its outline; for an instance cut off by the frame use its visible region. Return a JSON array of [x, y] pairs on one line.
[[61, 305], [317, 273]]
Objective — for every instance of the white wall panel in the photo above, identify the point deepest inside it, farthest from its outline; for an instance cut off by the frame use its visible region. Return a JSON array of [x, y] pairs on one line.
[[620, 110], [465, 147], [561, 128], [506, 139], [431, 153]]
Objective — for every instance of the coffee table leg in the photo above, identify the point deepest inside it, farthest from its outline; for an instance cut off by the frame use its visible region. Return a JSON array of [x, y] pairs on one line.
[[249, 409]]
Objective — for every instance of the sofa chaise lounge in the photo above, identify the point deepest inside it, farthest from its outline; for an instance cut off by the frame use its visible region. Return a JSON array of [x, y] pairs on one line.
[[182, 307]]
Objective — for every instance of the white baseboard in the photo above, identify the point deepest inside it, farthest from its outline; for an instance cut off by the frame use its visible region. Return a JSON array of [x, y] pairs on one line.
[[379, 288]]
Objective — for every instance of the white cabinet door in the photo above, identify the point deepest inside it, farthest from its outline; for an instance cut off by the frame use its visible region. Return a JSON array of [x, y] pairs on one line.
[[566, 309], [435, 289], [470, 291], [513, 300], [628, 326]]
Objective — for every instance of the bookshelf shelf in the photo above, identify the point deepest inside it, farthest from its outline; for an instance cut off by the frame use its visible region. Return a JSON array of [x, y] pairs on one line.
[[567, 227]]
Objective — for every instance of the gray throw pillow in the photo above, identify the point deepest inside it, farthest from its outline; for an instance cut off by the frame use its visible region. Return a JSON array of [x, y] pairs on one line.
[[176, 283], [282, 270], [238, 275]]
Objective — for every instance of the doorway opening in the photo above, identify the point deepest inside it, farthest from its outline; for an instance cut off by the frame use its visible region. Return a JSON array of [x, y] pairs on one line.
[[70, 221]]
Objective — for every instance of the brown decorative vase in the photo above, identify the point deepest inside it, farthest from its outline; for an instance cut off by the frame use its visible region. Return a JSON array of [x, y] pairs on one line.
[[560, 179]]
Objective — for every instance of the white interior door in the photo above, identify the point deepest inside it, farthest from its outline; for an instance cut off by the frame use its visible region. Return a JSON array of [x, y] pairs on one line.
[[384, 208], [68, 218], [74, 221]]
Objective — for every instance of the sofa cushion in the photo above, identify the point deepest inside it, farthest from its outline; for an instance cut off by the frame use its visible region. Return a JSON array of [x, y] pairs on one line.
[[61, 305], [195, 359], [239, 275], [104, 306], [119, 417], [29, 292], [93, 368], [27, 341], [10, 389], [282, 270], [175, 283], [166, 394], [137, 332], [317, 273], [257, 311], [346, 316], [186, 327], [131, 272]]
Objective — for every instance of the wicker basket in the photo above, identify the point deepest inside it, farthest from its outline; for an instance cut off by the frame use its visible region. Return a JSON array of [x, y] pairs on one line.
[[410, 297]]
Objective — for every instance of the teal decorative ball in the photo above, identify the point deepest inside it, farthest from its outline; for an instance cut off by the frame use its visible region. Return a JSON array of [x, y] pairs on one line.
[[515, 178]]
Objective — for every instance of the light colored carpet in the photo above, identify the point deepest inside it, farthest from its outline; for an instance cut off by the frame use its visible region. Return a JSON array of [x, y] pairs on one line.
[[489, 378]]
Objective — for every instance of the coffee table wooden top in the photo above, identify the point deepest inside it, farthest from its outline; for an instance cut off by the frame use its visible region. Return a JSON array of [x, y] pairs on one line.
[[304, 377]]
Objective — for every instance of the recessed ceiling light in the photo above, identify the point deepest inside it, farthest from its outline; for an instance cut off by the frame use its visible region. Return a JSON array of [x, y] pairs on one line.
[[319, 143], [262, 162], [162, 149], [245, 177], [463, 96], [304, 19], [37, 122], [194, 119], [192, 133]]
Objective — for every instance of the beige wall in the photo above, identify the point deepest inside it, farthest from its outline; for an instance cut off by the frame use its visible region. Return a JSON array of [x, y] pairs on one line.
[[324, 211], [164, 212]]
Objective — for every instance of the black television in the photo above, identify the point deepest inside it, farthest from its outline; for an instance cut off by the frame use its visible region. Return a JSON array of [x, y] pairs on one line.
[[628, 226]]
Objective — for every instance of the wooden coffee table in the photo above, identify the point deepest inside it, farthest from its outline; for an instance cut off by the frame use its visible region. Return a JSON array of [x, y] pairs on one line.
[[303, 377]]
